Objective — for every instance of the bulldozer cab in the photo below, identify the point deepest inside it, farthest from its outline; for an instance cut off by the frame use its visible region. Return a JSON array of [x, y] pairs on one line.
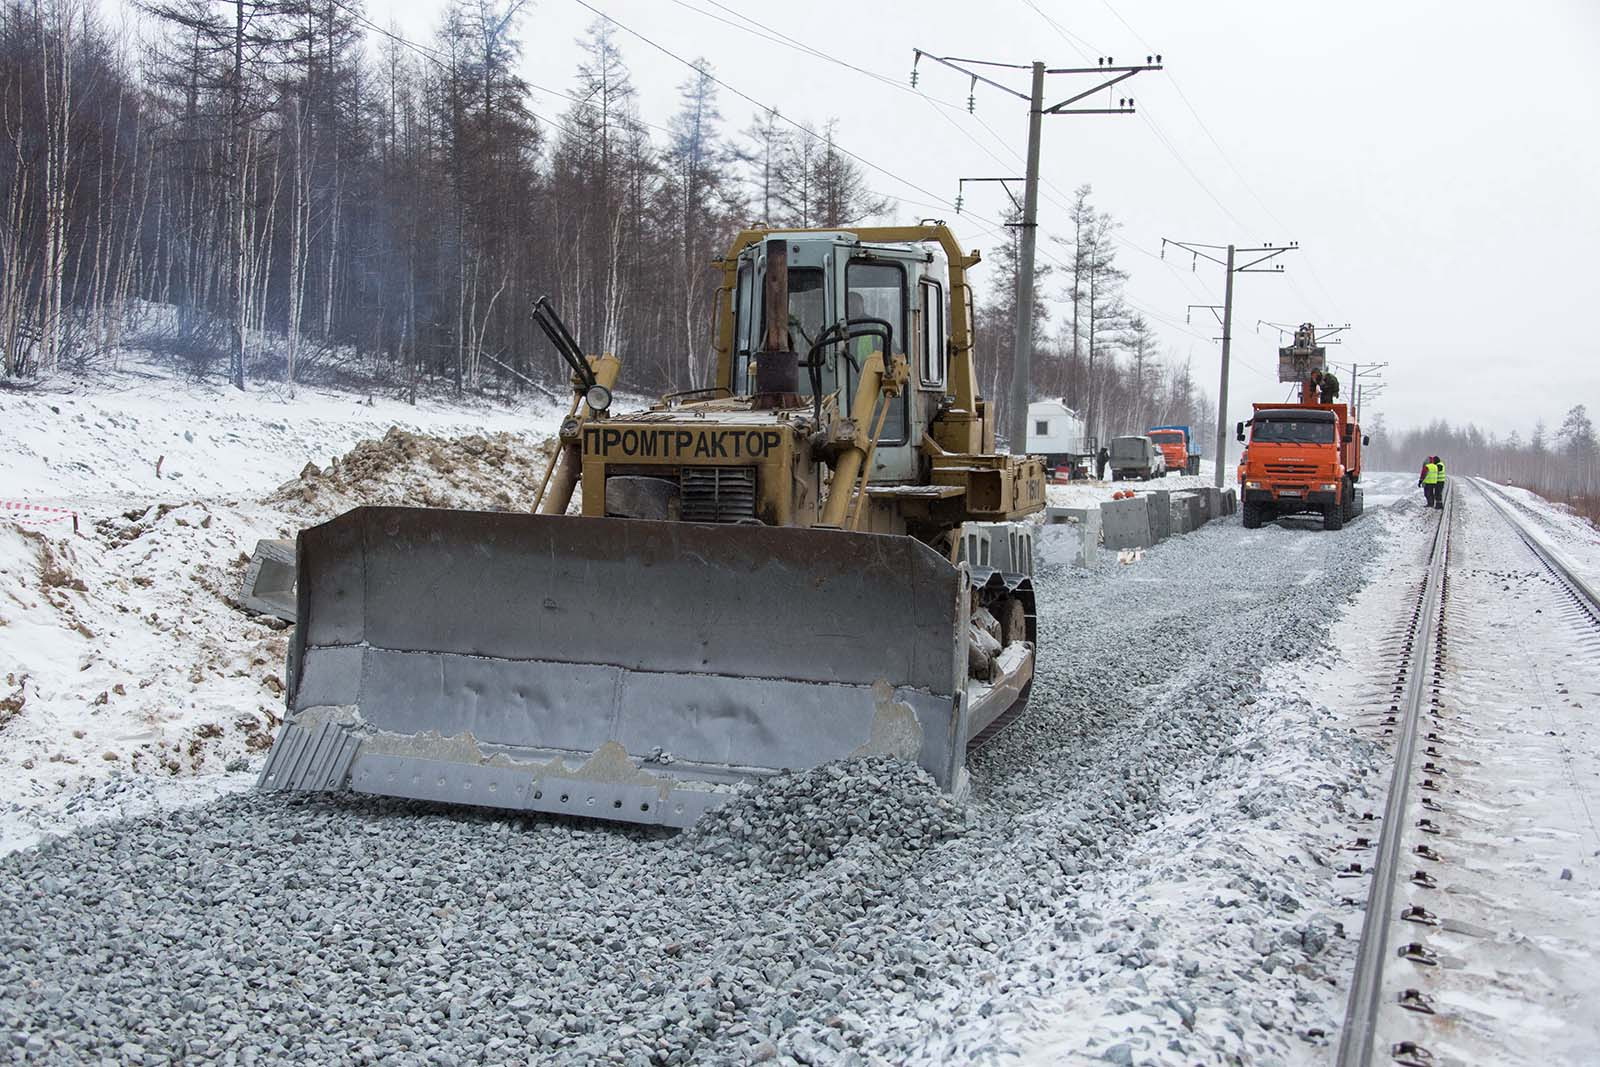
[[836, 280]]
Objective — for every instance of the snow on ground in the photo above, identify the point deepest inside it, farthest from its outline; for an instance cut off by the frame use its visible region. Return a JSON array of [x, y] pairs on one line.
[[1573, 537], [122, 656]]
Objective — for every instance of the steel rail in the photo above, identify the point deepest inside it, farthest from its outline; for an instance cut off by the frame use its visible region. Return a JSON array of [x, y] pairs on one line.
[[1360, 1029], [1588, 597]]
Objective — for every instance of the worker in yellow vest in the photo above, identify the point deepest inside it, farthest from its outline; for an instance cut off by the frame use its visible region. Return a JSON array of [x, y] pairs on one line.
[[1429, 481], [1438, 493]]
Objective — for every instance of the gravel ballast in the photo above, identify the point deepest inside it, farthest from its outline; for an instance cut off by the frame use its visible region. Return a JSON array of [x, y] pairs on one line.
[[844, 914]]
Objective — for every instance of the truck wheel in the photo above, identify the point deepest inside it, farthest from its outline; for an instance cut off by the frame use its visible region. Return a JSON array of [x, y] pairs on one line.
[[1250, 516], [1333, 516], [1116, 476], [1348, 503]]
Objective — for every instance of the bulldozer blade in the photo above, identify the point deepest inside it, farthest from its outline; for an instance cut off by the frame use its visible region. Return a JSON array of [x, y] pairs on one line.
[[623, 669]]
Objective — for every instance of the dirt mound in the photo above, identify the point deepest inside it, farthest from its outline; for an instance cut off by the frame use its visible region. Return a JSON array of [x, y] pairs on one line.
[[495, 472]]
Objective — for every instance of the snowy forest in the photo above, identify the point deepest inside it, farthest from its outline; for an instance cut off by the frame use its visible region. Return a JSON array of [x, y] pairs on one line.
[[283, 191]]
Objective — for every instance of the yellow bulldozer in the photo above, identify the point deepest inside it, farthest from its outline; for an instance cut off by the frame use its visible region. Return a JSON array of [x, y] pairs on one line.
[[815, 558]]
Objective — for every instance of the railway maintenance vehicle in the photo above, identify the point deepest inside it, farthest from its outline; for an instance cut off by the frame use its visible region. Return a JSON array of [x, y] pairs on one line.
[[1300, 457]]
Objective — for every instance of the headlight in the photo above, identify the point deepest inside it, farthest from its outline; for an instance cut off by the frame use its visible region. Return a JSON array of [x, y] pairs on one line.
[[1252, 485], [598, 397], [1329, 487]]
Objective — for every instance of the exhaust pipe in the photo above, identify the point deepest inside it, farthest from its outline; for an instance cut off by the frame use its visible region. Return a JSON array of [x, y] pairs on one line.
[[777, 365]]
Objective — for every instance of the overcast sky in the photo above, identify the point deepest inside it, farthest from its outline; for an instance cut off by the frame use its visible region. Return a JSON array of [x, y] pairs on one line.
[[1437, 160]]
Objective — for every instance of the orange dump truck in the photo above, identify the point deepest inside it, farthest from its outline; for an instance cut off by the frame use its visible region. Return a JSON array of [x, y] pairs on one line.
[[1300, 458], [1183, 454]]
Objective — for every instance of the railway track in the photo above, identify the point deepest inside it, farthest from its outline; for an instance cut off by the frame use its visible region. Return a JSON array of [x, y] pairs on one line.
[[1405, 945], [1584, 595], [1417, 681]]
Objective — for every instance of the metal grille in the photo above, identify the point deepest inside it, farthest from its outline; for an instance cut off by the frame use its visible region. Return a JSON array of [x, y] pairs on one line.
[[718, 494], [1289, 468]]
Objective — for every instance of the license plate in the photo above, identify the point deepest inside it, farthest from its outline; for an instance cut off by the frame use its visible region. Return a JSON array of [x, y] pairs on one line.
[[1288, 492]]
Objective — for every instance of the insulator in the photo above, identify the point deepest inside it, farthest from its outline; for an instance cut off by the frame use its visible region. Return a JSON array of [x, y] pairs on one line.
[[913, 77]]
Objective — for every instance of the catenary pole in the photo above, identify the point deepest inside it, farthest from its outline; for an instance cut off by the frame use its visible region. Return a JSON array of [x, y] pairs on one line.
[[1222, 386], [1257, 261], [1101, 77], [1022, 354]]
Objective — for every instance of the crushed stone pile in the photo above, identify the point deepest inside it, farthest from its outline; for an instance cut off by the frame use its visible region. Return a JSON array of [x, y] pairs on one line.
[[802, 820], [479, 471]]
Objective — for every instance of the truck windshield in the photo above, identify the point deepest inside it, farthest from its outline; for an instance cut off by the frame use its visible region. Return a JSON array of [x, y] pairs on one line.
[[1293, 431], [1170, 437]]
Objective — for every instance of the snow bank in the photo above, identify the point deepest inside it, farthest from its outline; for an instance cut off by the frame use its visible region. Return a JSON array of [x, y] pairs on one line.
[[123, 655]]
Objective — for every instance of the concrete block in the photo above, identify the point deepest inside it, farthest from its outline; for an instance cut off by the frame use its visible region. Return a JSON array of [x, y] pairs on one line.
[[1088, 547], [268, 586], [1077, 541], [1005, 546], [1186, 514], [1230, 501], [1160, 513], [1210, 502], [1126, 523], [1178, 513]]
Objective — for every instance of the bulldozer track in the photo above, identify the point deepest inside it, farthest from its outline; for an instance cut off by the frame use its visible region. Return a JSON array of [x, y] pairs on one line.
[[1395, 927]]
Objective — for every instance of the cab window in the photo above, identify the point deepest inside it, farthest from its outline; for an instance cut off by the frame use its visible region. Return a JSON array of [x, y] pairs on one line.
[[875, 289], [808, 307], [933, 333], [1293, 431], [743, 328]]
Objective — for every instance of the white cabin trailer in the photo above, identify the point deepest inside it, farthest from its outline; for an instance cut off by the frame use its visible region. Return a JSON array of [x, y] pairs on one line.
[[1057, 432]]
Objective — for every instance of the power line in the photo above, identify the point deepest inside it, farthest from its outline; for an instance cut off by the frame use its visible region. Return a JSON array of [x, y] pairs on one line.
[[1076, 43], [841, 149], [1226, 158], [1184, 163], [770, 33]]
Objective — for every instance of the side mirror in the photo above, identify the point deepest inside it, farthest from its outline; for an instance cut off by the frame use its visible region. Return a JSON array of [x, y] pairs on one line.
[[1365, 440], [1239, 431]]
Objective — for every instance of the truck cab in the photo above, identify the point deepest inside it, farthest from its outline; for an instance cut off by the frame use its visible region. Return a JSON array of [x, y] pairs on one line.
[[1300, 458], [1178, 446]]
